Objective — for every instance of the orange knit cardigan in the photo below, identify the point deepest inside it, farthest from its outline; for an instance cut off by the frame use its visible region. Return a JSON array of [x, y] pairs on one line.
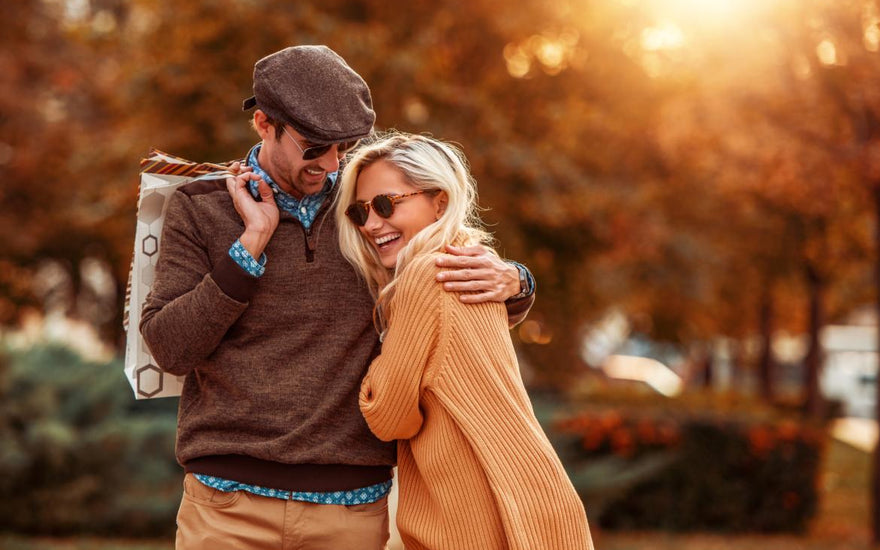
[[476, 471]]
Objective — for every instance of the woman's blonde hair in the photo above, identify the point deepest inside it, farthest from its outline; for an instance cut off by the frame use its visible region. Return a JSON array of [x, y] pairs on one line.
[[426, 164]]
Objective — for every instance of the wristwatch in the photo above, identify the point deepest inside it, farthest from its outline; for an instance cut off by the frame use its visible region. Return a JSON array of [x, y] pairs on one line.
[[524, 286]]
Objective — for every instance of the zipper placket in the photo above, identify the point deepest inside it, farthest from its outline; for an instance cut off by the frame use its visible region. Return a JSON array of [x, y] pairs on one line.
[[311, 235]]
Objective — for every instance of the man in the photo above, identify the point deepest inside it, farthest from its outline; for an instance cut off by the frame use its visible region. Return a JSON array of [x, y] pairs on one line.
[[253, 302]]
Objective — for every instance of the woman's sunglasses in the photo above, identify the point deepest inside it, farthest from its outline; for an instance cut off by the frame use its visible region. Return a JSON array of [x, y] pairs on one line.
[[311, 153], [381, 204]]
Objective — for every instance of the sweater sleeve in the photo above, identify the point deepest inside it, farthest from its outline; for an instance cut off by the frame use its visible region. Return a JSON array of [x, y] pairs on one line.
[[389, 397], [482, 390], [517, 309], [192, 303]]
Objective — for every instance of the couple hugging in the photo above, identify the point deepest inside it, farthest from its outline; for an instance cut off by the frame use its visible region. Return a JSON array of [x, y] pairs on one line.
[[333, 323]]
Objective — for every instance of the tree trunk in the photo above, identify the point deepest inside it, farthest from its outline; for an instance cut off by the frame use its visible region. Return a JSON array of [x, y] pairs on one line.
[[875, 478], [707, 370], [813, 404], [766, 363]]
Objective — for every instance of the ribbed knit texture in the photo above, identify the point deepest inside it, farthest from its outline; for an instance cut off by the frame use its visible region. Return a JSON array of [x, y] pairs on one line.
[[273, 365], [476, 471]]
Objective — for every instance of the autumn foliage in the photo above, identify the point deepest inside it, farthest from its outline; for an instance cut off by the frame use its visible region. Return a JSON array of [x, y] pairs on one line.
[[690, 163]]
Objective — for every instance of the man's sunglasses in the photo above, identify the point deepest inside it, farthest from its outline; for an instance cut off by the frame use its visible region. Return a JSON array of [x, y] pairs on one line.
[[310, 153], [381, 204]]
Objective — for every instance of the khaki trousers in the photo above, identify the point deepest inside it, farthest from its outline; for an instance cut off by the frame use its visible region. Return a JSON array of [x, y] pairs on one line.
[[209, 519]]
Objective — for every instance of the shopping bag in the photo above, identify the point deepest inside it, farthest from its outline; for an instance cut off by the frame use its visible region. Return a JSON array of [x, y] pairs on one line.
[[161, 175]]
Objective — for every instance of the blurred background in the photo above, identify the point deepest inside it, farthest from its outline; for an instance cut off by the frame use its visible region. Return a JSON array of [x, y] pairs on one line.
[[694, 183]]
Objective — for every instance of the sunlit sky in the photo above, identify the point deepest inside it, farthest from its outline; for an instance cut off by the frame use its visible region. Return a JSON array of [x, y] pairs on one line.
[[704, 9], [677, 19], [681, 26], [677, 24]]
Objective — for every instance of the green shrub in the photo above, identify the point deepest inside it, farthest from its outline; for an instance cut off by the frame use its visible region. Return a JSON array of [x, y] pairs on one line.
[[683, 466], [79, 454]]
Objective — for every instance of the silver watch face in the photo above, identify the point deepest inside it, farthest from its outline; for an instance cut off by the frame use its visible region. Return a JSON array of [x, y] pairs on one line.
[[523, 281]]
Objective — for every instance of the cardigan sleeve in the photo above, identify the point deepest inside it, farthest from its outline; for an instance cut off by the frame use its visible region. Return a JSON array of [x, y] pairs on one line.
[[389, 397]]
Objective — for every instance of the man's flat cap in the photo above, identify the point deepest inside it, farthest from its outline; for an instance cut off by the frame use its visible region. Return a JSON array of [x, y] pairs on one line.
[[314, 90]]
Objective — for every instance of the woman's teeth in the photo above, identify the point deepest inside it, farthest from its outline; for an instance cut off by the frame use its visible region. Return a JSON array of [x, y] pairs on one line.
[[386, 238]]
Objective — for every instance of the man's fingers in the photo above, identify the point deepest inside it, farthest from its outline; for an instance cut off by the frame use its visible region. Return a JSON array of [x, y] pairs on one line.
[[465, 286], [473, 250], [231, 184], [265, 191], [478, 297], [465, 274], [458, 262], [476, 291]]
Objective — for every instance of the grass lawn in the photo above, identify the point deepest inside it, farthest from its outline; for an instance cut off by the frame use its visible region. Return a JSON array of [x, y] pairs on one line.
[[842, 522]]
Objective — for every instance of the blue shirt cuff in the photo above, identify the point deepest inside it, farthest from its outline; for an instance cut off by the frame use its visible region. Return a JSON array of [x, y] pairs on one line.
[[243, 258]]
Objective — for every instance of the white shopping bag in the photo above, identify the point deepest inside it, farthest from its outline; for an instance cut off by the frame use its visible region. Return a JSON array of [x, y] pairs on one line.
[[161, 175]]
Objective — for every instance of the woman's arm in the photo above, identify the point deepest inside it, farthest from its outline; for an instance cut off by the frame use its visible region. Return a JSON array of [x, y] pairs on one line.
[[390, 392]]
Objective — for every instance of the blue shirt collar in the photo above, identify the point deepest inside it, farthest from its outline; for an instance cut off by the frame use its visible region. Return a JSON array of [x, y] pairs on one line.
[[304, 209]]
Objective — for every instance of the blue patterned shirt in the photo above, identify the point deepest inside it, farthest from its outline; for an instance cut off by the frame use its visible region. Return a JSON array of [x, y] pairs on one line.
[[305, 210], [345, 498], [243, 258]]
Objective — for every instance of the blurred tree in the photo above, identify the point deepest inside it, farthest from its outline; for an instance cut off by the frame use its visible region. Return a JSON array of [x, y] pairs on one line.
[[841, 43], [79, 455], [668, 169], [712, 174]]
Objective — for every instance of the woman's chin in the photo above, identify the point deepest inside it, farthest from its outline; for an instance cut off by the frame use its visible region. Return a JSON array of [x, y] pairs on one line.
[[388, 256]]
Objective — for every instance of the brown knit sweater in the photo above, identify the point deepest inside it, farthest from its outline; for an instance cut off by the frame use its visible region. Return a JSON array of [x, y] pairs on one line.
[[273, 364], [476, 470]]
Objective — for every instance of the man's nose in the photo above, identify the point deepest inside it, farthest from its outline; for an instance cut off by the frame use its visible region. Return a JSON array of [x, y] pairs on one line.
[[329, 161]]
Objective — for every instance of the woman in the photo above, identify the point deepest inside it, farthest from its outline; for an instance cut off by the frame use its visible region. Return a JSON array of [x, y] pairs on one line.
[[476, 470]]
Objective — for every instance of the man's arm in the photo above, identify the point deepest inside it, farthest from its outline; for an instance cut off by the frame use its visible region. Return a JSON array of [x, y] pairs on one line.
[[481, 276], [194, 300]]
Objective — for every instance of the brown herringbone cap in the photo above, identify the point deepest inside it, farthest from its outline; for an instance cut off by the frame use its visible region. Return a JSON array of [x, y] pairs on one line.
[[315, 91]]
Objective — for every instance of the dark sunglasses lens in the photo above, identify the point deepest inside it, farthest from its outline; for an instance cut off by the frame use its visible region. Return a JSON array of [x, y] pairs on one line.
[[357, 213], [383, 206], [315, 152]]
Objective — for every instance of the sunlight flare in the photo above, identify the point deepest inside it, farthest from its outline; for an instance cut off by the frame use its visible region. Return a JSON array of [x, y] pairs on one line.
[[549, 52], [665, 36], [827, 52], [871, 24], [703, 10]]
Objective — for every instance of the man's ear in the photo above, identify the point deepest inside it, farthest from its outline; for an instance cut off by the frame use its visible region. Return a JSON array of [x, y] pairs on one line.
[[263, 126], [441, 201]]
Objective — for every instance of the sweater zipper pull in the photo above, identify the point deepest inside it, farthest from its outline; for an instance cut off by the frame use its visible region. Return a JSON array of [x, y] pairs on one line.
[[310, 247]]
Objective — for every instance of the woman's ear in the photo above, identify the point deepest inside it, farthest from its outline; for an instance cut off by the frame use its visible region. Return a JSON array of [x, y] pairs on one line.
[[441, 200]]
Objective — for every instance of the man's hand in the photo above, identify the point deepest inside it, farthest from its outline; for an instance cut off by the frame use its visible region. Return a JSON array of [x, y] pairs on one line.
[[260, 218], [478, 274]]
